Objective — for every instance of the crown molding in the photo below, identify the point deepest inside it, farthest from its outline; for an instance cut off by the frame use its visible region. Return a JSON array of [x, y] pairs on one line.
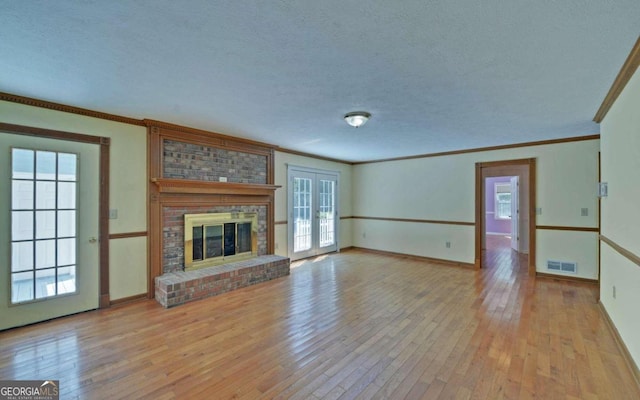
[[29, 101], [317, 157], [626, 72], [490, 148]]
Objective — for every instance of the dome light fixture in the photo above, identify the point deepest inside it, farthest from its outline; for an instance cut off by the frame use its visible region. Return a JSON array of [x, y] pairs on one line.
[[357, 118]]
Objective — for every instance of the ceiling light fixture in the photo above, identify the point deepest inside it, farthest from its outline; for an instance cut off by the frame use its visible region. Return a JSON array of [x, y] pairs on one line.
[[357, 118]]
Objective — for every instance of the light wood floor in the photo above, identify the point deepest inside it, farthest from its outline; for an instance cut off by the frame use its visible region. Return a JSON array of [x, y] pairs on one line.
[[344, 326]]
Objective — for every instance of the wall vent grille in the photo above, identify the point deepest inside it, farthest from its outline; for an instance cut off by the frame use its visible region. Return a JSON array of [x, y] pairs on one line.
[[562, 266]]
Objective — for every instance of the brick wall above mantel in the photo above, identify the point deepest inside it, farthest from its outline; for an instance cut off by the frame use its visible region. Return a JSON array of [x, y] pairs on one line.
[[182, 160]]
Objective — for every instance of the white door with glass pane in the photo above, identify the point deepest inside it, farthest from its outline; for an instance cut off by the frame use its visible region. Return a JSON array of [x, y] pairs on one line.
[[313, 212], [49, 255]]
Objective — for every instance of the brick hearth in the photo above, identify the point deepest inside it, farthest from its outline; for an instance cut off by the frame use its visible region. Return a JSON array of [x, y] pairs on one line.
[[175, 288]]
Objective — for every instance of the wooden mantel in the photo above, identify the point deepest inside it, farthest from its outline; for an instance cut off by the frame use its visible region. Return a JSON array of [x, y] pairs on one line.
[[183, 186]]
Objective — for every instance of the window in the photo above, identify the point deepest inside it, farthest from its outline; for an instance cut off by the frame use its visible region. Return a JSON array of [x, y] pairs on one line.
[[43, 224], [503, 200]]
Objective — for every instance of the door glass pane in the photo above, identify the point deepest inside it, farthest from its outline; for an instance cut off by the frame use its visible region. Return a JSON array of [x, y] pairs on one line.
[[22, 225], [22, 164], [45, 283], [22, 195], [67, 164], [21, 256], [66, 195], [45, 165], [66, 279], [66, 251], [22, 287], [301, 214], [43, 252], [66, 223], [45, 195], [326, 218], [45, 224]]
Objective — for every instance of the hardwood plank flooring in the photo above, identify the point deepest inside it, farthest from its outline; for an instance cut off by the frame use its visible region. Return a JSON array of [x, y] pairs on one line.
[[352, 325]]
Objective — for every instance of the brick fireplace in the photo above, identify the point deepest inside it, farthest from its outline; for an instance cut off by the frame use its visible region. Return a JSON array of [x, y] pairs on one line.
[[197, 172]]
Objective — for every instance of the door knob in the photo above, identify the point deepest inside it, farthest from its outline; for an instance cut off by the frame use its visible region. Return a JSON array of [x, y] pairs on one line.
[[93, 240]]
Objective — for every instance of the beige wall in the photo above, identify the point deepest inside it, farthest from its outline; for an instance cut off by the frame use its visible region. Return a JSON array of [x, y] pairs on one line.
[[281, 160], [620, 132], [128, 257], [443, 188]]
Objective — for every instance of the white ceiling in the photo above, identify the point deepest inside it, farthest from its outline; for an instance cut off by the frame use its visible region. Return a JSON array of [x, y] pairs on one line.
[[436, 75]]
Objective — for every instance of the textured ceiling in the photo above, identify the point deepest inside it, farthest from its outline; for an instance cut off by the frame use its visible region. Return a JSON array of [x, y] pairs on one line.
[[436, 75]]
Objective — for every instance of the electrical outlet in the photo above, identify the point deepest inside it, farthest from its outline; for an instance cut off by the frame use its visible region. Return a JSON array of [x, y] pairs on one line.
[[447, 245], [539, 211], [222, 179], [113, 213], [364, 235], [614, 291], [584, 212]]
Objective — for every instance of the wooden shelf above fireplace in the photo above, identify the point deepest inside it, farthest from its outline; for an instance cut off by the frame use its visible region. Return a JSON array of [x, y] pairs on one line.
[[185, 186]]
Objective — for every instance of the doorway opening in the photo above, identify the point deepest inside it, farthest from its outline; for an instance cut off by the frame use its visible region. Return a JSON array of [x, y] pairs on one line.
[[505, 213], [501, 213]]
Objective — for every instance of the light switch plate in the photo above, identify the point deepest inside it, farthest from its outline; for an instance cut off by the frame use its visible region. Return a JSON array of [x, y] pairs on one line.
[[603, 189]]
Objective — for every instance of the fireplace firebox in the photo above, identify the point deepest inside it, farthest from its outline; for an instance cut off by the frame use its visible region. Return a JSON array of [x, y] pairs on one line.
[[218, 238]]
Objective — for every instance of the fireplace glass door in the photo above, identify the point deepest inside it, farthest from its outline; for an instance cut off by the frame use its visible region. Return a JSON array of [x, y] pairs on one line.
[[217, 238], [313, 212], [221, 240]]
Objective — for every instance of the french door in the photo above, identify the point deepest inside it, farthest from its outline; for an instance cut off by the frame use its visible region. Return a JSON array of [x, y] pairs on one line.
[[49, 219], [313, 212]]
